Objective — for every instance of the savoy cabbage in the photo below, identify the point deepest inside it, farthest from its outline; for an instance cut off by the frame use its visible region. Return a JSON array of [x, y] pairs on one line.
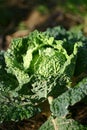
[[41, 65]]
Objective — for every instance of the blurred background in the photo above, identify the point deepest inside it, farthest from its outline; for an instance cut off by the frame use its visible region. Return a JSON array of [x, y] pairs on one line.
[[20, 17]]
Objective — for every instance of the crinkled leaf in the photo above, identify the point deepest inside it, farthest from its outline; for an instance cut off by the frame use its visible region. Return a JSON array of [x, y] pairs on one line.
[[14, 106], [62, 124], [70, 38], [60, 105], [41, 62]]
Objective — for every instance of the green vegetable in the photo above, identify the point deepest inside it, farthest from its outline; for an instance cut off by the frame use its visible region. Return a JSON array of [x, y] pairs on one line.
[[60, 109], [62, 124], [41, 62], [60, 105], [41, 65], [13, 106], [70, 38]]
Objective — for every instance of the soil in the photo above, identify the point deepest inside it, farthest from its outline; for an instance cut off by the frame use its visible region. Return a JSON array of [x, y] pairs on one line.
[[32, 124]]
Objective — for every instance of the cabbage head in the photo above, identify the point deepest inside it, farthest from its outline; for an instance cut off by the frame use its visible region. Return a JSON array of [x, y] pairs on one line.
[[41, 65]]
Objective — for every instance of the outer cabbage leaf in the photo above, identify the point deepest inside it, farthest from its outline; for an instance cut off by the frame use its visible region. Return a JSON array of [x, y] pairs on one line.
[[60, 105], [13, 106], [70, 38], [60, 109], [62, 124]]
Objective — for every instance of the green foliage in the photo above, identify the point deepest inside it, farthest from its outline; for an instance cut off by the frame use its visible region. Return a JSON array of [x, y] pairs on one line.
[[13, 106], [48, 125], [62, 124], [41, 62], [60, 109], [61, 104], [70, 38], [14, 109], [42, 9], [73, 6], [42, 65]]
